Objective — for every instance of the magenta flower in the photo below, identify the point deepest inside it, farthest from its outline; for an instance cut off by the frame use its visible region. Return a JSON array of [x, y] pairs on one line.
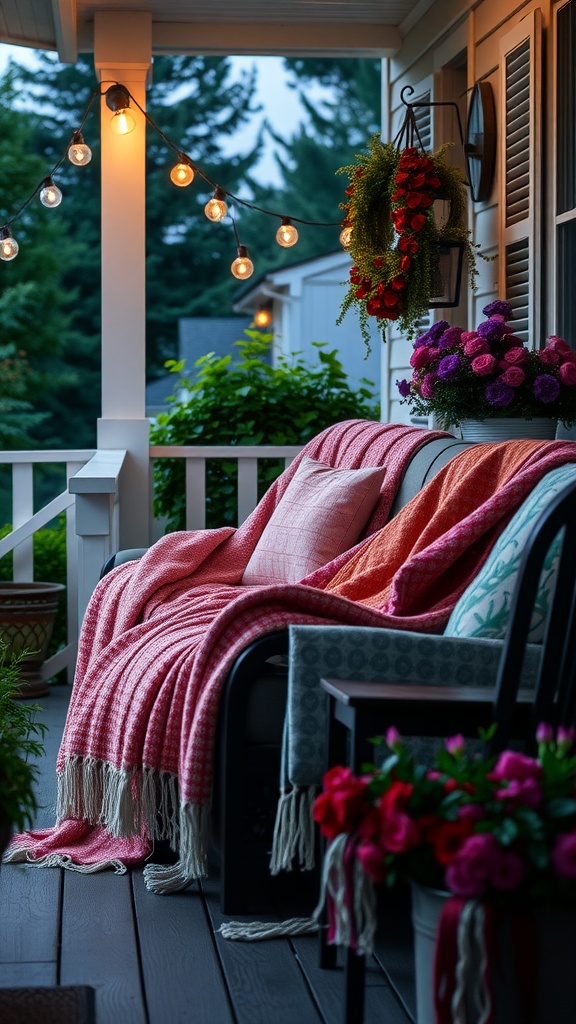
[[507, 870], [476, 346], [455, 744], [558, 345], [450, 337], [514, 376], [513, 765], [499, 394], [372, 860], [393, 738], [421, 357], [483, 364], [469, 872], [548, 356], [544, 733], [398, 832], [546, 388], [564, 855], [521, 793], [427, 389], [565, 738], [567, 374], [515, 355]]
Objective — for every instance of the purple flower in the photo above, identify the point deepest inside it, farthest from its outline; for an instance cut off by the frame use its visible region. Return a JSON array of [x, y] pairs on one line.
[[403, 387], [492, 329], [499, 394], [448, 366], [437, 329], [546, 388], [450, 337], [499, 308], [422, 340], [564, 855]]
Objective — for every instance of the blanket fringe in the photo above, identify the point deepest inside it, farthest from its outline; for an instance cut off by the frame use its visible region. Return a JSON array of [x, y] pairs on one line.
[[254, 931], [54, 860], [294, 835], [193, 862]]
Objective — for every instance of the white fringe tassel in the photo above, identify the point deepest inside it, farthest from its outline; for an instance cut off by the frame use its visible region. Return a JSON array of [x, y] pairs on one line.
[[253, 931], [294, 830], [193, 862], [54, 860]]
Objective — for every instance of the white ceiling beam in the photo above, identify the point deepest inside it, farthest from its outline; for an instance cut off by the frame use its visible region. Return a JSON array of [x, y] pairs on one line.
[[269, 39], [65, 31]]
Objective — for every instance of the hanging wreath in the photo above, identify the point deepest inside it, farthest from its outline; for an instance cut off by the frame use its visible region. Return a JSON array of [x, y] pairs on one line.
[[394, 236]]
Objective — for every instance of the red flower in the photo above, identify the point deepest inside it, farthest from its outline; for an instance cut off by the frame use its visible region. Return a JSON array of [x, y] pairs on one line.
[[414, 199], [446, 837], [398, 283], [405, 263], [342, 804], [418, 221], [390, 298]]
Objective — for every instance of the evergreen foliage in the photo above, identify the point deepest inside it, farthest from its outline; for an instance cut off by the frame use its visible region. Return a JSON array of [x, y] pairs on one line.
[[248, 402]]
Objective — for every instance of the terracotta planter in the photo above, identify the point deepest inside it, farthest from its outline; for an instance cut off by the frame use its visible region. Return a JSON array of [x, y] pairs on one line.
[[530, 964], [27, 614], [508, 428]]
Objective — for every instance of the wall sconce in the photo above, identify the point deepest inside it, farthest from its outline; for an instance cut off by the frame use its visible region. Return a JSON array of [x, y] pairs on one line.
[[118, 99], [480, 145]]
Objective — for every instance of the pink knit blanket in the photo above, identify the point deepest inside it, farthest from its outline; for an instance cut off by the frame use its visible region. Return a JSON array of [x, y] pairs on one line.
[[159, 637]]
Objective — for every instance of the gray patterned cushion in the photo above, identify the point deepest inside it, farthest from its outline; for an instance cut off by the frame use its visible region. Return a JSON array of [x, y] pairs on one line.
[[483, 609]]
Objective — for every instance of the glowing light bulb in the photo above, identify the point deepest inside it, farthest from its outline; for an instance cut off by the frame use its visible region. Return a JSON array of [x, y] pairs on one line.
[[216, 208], [182, 173], [263, 317], [242, 267], [122, 122], [50, 194], [286, 235], [346, 236], [78, 152], [8, 246]]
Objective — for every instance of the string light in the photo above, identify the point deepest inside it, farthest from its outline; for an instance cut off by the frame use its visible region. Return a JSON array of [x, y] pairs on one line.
[[182, 173], [263, 317], [242, 267], [118, 99], [216, 208], [8, 246], [78, 152], [346, 236], [50, 194], [287, 235]]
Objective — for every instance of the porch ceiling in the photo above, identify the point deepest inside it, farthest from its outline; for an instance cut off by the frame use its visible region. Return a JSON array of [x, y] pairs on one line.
[[288, 27]]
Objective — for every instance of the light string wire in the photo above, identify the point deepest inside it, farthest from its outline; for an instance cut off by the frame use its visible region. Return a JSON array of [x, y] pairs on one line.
[[181, 154]]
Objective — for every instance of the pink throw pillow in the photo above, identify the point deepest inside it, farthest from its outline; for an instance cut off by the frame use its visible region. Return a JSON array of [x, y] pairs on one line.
[[321, 514]]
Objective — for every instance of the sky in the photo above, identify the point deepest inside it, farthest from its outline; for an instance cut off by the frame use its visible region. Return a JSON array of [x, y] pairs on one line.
[[280, 105]]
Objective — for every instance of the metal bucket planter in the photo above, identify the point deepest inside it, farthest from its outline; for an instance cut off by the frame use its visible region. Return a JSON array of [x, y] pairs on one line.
[[27, 614]]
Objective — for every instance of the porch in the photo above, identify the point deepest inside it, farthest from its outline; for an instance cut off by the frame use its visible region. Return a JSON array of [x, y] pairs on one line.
[[153, 959]]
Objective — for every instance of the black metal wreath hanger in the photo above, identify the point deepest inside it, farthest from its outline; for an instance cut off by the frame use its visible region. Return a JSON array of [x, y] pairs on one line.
[[409, 136]]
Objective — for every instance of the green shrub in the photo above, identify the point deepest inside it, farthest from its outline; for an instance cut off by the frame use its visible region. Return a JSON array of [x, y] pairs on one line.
[[247, 401]]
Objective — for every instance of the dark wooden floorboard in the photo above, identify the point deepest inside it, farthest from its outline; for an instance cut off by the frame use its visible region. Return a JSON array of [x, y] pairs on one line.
[[160, 959], [178, 955]]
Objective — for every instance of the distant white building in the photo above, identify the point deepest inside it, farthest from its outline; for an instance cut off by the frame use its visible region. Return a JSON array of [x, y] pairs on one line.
[[304, 300]]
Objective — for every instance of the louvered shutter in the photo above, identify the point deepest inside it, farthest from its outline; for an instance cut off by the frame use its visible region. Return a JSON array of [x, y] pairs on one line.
[[520, 177]]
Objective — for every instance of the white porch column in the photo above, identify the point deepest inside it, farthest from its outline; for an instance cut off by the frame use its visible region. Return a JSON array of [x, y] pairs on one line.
[[123, 53]]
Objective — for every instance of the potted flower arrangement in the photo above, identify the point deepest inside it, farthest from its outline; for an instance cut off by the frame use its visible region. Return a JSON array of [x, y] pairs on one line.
[[20, 740], [497, 834], [489, 373], [394, 237]]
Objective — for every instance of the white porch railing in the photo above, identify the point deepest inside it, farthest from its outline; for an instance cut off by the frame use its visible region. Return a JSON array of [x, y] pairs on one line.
[[90, 502]]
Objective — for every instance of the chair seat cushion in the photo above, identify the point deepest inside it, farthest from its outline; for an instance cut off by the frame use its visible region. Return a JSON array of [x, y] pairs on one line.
[[484, 607], [321, 514]]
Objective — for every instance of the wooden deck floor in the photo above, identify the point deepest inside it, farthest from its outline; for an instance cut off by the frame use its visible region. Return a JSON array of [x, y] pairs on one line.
[[159, 959]]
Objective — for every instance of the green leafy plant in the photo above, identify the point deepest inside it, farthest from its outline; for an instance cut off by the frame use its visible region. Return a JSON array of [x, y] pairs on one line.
[[20, 740], [248, 401]]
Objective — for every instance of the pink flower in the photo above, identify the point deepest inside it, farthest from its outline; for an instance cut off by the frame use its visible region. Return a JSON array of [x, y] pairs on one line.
[[484, 364], [514, 376], [544, 733], [427, 389], [398, 832], [470, 870], [393, 738], [475, 346], [565, 738], [455, 744], [421, 357], [564, 855], [567, 373], [515, 355], [525, 793], [467, 336], [507, 870], [372, 860], [511, 765], [548, 356], [558, 345]]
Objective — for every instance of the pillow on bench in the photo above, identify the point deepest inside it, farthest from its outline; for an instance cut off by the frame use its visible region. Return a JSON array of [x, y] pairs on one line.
[[483, 609], [321, 514]]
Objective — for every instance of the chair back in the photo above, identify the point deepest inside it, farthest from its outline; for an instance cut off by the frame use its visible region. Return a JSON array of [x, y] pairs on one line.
[[555, 687]]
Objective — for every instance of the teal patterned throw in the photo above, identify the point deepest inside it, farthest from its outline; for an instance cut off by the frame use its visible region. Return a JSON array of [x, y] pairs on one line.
[[483, 609]]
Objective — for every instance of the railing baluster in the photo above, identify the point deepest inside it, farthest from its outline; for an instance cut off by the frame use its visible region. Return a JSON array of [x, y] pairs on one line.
[[247, 487], [22, 511], [195, 494]]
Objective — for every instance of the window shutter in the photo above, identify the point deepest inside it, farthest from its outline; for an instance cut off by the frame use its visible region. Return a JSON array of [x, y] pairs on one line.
[[520, 175]]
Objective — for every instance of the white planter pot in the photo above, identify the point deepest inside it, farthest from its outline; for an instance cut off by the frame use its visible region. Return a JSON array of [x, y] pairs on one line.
[[532, 964], [508, 429]]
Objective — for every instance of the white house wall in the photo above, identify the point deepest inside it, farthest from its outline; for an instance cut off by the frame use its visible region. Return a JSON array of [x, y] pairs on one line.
[[476, 29]]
